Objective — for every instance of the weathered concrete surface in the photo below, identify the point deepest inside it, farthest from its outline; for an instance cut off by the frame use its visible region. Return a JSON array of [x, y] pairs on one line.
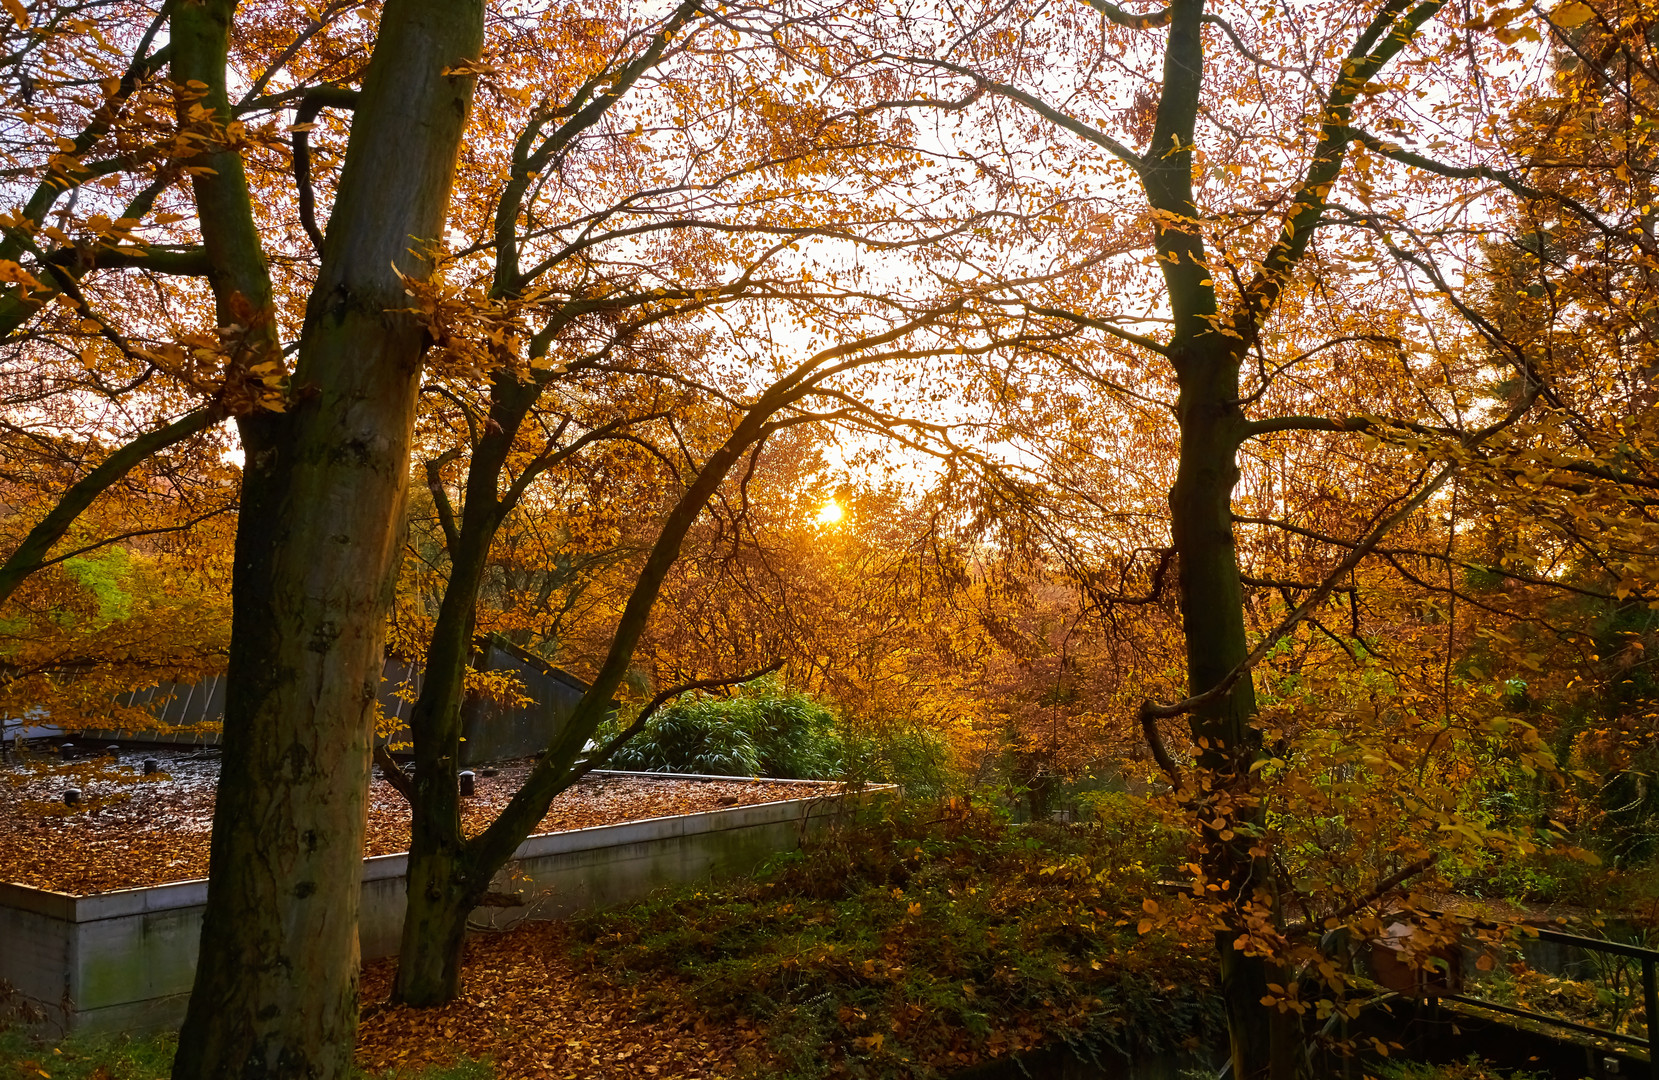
[[124, 961]]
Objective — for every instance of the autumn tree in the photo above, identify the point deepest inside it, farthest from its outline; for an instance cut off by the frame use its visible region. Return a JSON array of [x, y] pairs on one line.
[[111, 439], [319, 529], [913, 614], [703, 448], [634, 219], [1291, 270], [318, 240], [144, 169], [661, 251]]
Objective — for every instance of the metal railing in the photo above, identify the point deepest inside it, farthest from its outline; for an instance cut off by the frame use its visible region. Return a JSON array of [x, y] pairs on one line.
[[1649, 959]]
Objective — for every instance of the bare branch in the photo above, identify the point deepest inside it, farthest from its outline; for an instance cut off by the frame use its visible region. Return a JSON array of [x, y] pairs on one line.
[[394, 775], [1371, 895]]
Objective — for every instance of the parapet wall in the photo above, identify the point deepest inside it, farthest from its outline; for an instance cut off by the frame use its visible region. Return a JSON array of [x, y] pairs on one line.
[[124, 960]]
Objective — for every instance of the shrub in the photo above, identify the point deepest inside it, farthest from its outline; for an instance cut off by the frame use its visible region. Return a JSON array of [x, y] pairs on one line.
[[767, 729], [763, 729], [691, 738], [915, 759]]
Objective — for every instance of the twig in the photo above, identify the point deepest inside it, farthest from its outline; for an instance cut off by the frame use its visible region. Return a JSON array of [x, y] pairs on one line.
[[1376, 892]]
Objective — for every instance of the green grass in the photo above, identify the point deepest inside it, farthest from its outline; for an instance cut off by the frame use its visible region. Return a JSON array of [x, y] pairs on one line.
[[147, 1057], [122, 1057], [922, 942]]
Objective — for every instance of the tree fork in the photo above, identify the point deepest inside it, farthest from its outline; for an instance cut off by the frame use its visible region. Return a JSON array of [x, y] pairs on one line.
[[317, 553], [449, 873]]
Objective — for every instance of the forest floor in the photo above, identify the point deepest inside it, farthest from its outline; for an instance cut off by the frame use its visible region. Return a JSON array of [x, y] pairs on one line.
[[531, 1009], [907, 946], [132, 830]]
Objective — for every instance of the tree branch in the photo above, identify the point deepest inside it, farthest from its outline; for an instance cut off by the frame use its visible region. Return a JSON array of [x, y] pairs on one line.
[[1129, 20], [1098, 324], [315, 101], [1505, 179], [31, 553], [1155, 741], [394, 774], [1375, 893], [1394, 26], [440, 496], [1274, 424], [1043, 109]]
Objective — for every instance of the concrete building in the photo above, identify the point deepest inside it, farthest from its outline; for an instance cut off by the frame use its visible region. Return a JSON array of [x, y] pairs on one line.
[[190, 714]]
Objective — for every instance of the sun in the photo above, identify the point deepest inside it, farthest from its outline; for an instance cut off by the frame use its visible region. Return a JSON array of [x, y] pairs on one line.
[[830, 513]]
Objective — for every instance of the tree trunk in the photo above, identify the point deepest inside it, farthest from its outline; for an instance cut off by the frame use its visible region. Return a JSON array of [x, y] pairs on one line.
[[1264, 1041], [1211, 420], [442, 890], [441, 897], [318, 547], [449, 873]]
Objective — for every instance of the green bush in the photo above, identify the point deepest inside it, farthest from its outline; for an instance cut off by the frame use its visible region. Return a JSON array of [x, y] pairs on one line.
[[765, 729], [691, 738], [915, 759], [1131, 834]]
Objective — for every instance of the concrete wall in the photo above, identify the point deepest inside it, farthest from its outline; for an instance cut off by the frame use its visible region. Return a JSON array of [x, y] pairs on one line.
[[124, 961]]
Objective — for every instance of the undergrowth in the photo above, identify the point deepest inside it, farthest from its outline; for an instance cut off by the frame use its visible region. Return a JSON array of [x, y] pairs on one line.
[[1471, 1068], [121, 1057], [926, 940], [26, 1056]]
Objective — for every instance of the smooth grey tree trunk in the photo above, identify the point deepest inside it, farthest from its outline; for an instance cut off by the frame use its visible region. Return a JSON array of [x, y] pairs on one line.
[[317, 551]]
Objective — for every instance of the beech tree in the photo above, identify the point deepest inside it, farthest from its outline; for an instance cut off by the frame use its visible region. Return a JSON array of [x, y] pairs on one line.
[[319, 531], [163, 173], [687, 182], [320, 239], [88, 398], [1210, 296], [450, 872], [1258, 336], [1283, 183]]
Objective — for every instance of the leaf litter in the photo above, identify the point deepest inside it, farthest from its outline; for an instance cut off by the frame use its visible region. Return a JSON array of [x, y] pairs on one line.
[[531, 1010], [132, 830]]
